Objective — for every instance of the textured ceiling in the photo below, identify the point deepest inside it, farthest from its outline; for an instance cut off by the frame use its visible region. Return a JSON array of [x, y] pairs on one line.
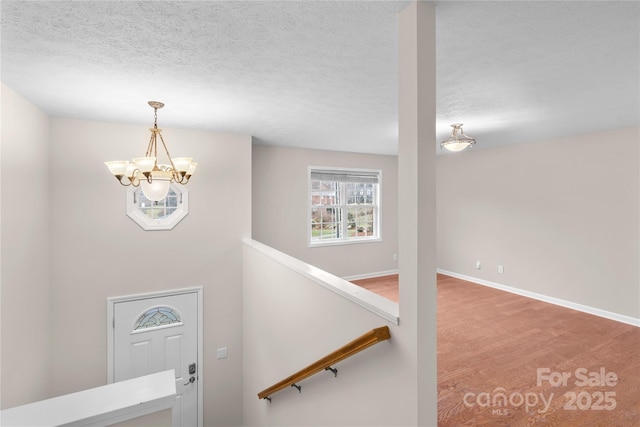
[[324, 74]]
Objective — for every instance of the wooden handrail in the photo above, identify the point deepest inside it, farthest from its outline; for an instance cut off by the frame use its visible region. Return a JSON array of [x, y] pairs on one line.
[[372, 337]]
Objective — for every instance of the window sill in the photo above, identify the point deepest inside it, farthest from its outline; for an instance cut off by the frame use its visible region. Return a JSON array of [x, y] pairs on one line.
[[343, 242]]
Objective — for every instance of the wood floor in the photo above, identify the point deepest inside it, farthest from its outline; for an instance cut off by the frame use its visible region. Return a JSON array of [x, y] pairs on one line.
[[507, 360]]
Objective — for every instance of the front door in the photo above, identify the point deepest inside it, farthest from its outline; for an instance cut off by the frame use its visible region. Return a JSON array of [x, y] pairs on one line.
[[157, 333]]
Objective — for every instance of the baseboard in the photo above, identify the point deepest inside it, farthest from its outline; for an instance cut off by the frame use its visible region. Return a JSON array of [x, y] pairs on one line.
[[370, 275], [545, 298]]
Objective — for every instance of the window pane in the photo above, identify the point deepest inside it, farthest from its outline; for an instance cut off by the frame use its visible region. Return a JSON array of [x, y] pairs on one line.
[[360, 193], [328, 214], [370, 194], [351, 193], [368, 229], [171, 200], [343, 206], [329, 231], [161, 209], [323, 223], [159, 215], [316, 223], [325, 193], [158, 316], [360, 222]]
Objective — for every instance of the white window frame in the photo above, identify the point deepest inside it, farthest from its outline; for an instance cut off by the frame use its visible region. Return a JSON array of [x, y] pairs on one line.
[[345, 240], [150, 224]]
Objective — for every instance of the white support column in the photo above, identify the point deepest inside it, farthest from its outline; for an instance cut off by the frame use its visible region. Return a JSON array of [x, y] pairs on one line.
[[417, 197]]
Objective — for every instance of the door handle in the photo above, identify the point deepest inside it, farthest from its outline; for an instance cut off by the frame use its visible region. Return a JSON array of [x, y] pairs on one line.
[[191, 380]]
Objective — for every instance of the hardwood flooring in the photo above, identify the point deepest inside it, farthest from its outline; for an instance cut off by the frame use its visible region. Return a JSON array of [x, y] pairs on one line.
[[387, 286], [507, 360]]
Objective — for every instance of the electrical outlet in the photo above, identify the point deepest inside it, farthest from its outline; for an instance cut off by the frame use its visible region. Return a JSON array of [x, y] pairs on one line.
[[478, 265], [395, 257], [501, 269]]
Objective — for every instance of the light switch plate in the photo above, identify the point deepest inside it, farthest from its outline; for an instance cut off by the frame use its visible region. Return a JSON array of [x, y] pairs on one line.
[[222, 353]]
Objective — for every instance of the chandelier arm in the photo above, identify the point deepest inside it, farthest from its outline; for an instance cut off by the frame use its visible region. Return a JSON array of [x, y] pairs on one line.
[[156, 131], [152, 143], [134, 179], [119, 178], [176, 176]]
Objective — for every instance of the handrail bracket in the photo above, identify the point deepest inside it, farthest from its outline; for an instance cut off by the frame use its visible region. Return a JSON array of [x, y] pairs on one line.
[[334, 370]]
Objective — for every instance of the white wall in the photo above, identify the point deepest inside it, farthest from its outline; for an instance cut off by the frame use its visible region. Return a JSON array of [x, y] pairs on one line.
[[67, 245], [25, 251], [157, 419], [280, 208], [98, 252], [290, 321], [560, 215]]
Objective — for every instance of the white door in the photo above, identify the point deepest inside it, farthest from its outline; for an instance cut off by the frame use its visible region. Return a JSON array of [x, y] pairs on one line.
[[156, 334]]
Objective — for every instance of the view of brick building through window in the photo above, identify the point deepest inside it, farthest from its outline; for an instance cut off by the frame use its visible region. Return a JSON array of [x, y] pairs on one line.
[[344, 205]]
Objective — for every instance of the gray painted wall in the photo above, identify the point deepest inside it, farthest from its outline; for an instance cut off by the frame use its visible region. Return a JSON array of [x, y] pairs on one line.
[[24, 259], [561, 216], [98, 252], [91, 250], [290, 322], [280, 208]]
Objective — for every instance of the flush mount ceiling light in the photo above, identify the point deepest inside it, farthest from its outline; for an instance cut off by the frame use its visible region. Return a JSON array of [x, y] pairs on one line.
[[155, 179], [457, 141]]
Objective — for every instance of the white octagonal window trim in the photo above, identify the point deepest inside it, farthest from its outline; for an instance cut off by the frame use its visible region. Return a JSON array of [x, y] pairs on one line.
[[161, 215]]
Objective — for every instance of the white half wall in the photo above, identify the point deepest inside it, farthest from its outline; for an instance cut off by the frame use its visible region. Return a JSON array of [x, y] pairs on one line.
[[290, 321], [24, 258], [280, 208], [561, 216]]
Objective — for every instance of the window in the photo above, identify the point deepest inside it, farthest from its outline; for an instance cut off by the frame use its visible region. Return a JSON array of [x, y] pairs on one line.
[[161, 215], [158, 317], [344, 205]]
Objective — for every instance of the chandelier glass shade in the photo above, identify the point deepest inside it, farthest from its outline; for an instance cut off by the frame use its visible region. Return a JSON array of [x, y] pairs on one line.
[[457, 141], [155, 179]]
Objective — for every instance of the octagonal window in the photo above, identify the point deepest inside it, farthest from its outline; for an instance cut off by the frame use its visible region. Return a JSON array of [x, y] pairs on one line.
[[161, 215]]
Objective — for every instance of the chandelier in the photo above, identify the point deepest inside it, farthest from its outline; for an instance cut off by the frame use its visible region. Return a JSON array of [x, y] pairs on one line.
[[154, 179], [457, 141]]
